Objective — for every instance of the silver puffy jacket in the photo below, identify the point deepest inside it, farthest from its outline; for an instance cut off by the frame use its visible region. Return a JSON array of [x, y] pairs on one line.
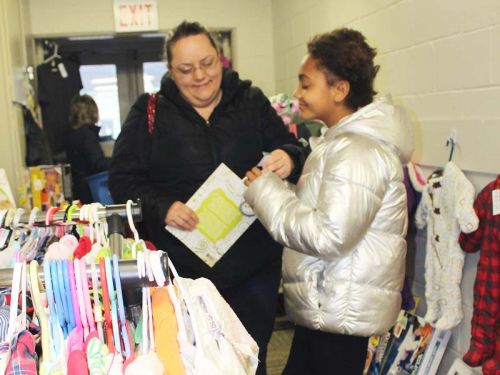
[[343, 227]]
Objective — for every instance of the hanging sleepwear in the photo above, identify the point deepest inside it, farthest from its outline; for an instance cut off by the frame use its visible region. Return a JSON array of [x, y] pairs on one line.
[[446, 209], [55, 92], [485, 342], [165, 329]]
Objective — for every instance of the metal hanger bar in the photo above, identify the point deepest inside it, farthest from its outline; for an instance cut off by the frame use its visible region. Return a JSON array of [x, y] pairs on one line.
[[104, 212], [128, 275]]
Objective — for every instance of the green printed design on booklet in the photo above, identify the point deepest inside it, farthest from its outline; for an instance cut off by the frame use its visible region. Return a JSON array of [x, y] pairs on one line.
[[218, 216]]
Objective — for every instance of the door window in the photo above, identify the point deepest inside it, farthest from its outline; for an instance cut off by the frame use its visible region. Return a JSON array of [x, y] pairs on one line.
[[100, 82], [152, 73]]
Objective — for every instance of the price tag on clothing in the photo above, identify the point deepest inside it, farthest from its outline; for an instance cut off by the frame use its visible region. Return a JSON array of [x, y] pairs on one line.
[[495, 198]]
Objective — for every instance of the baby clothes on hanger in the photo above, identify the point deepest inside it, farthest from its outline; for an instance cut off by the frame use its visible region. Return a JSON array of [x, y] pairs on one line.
[[446, 209], [485, 331], [166, 329], [4, 322], [23, 356], [18, 356]]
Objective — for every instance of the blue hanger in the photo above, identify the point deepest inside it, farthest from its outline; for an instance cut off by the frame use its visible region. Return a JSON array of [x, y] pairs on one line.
[[57, 296], [69, 301], [114, 308], [62, 296], [121, 306], [54, 321]]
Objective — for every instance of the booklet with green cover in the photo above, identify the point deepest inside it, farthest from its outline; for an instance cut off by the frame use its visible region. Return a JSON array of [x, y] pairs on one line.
[[224, 216]]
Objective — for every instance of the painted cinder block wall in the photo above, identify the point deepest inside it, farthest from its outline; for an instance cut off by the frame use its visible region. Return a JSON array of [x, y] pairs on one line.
[[441, 61]]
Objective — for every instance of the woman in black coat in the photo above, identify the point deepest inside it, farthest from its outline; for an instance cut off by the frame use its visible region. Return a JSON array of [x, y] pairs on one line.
[[83, 149], [206, 115]]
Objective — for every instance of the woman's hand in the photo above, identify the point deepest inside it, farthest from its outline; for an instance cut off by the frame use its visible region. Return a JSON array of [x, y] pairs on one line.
[[278, 162], [251, 175], [181, 217]]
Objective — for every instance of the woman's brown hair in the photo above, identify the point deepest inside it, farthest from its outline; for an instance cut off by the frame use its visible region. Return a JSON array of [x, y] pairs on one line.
[[83, 112]]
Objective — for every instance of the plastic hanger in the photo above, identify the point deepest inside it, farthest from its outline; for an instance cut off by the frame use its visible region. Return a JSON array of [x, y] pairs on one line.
[[67, 295], [451, 142], [54, 54], [54, 315], [15, 290], [113, 305], [183, 294], [97, 303], [137, 240], [17, 217], [121, 307], [27, 249], [108, 325], [59, 294], [23, 322], [3, 215], [158, 267], [80, 298], [8, 218], [147, 262], [86, 296], [39, 308], [32, 218], [74, 298], [50, 215]]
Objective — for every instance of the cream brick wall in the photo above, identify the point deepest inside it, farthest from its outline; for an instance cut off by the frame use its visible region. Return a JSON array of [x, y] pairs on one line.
[[251, 21], [440, 60]]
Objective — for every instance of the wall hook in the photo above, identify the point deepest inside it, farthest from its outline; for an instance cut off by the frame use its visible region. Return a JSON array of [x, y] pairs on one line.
[[451, 141]]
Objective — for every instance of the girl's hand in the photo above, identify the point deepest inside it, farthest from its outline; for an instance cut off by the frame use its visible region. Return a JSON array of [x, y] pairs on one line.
[[251, 175]]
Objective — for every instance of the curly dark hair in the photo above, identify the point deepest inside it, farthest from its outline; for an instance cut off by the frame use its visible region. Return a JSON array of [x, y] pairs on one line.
[[83, 111], [184, 30], [345, 54]]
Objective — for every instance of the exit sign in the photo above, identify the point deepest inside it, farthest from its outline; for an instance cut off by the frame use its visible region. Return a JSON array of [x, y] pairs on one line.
[[132, 15]]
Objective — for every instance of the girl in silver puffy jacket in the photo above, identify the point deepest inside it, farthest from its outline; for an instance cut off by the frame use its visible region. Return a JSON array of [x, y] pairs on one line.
[[343, 225]]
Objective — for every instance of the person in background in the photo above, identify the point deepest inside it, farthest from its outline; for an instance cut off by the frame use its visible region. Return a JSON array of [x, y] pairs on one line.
[[344, 225], [82, 147], [206, 115]]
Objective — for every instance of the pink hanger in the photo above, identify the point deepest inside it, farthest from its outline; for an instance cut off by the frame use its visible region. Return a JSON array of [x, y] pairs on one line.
[[86, 296], [79, 295]]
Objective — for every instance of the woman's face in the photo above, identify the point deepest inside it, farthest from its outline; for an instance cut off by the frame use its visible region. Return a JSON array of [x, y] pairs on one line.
[[315, 95], [196, 70]]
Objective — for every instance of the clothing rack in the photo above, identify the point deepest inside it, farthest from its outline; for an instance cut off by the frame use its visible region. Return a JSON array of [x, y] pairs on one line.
[[115, 215], [103, 212]]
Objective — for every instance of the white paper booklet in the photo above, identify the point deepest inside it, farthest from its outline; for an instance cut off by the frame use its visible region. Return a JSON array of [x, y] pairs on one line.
[[224, 216]]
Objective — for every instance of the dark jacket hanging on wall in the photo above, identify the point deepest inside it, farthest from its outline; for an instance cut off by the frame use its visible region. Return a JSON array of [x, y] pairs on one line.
[[37, 146], [54, 95]]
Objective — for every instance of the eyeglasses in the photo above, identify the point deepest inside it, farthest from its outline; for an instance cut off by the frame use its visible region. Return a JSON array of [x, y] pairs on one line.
[[206, 65]]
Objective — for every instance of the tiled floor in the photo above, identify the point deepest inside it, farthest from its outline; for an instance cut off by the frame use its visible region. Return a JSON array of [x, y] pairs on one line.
[[278, 349]]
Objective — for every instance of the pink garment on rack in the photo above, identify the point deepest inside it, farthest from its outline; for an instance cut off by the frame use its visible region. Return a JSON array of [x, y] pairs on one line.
[[77, 363], [22, 358]]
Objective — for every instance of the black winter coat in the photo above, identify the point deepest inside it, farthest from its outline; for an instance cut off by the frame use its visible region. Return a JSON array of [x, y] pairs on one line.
[[86, 158], [180, 155]]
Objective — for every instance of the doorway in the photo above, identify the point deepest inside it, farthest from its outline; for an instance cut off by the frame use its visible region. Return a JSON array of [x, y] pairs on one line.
[[114, 70]]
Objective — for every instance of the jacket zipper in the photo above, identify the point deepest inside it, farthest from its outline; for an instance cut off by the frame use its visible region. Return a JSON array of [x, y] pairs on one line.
[[215, 156]]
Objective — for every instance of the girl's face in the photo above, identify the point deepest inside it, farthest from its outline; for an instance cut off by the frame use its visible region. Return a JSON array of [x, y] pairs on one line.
[[318, 100]]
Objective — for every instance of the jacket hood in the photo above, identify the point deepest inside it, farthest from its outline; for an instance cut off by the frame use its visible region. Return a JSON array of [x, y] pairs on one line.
[[381, 120], [231, 84]]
